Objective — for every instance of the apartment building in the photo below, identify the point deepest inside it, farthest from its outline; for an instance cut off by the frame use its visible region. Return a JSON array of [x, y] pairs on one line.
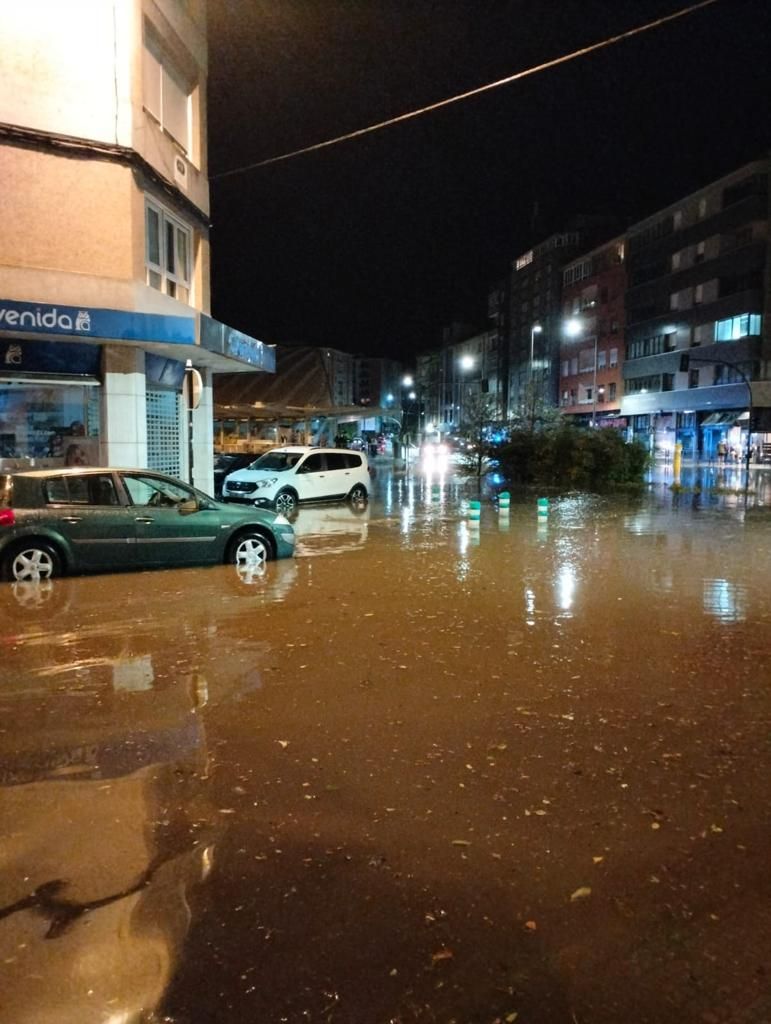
[[535, 312], [592, 342], [697, 366], [104, 252]]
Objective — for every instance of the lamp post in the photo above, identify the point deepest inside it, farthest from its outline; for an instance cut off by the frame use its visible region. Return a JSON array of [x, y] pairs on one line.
[[535, 329], [466, 362]]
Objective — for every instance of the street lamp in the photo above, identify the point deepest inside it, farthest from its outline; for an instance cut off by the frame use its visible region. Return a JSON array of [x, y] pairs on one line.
[[466, 362], [573, 329], [535, 329]]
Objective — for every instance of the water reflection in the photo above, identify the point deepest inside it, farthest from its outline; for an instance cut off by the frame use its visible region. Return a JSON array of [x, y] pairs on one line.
[[107, 826], [724, 600], [330, 529]]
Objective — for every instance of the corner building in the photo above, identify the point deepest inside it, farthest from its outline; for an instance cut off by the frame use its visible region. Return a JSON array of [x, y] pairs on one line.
[[104, 248], [698, 350]]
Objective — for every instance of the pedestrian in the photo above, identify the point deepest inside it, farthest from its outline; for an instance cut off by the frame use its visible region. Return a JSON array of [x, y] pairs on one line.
[[722, 451]]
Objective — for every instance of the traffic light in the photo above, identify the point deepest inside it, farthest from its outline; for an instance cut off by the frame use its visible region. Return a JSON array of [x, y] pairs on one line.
[[685, 362]]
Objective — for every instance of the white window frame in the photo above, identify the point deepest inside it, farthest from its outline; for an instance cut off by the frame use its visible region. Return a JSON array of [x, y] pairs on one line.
[[174, 280], [159, 97]]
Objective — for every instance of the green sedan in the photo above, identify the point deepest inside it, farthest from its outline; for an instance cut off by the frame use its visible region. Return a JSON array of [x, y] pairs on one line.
[[58, 521]]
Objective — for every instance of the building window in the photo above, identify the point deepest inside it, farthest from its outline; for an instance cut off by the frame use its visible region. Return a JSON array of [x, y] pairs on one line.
[[167, 92], [602, 357], [566, 368], [612, 391], [693, 378], [642, 385], [167, 252], [614, 357], [737, 327]]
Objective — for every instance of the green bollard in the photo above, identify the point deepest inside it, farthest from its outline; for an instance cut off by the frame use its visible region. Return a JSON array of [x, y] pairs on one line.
[[504, 501], [474, 513], [543, 508]]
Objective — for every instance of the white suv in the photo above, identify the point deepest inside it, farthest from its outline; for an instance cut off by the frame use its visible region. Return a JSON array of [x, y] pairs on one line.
[[283, 477]]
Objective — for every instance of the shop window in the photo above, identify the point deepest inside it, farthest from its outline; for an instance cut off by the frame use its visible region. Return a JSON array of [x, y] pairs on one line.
[[48, 426], [168, 251]]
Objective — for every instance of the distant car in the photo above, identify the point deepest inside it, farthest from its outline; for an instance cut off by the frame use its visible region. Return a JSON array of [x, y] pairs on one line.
[[58, 521], [285, 477], [229, 462]]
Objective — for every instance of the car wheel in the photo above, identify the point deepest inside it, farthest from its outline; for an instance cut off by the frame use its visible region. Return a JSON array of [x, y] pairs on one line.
[[286, 502], [358, 496], [34, 560], [250, 551]]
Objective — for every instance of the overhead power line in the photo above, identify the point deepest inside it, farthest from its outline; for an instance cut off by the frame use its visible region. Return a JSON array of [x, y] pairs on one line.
[[583, 52]]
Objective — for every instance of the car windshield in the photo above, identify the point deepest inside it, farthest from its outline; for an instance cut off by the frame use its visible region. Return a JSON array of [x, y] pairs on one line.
[[277, 462]]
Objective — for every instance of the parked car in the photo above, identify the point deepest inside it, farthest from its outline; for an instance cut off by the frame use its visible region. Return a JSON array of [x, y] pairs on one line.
[[284, 477], [229, 462], [57, 521]]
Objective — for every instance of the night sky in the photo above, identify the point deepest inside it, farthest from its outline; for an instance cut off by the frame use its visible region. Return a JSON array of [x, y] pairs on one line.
[[374, 244]]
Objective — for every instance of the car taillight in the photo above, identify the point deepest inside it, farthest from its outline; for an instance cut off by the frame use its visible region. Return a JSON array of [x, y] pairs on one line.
[[7, 518]]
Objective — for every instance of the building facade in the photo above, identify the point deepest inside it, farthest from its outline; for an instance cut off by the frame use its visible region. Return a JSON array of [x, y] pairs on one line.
[[104, 253], [698, 350], [592, 344], [535, 320]]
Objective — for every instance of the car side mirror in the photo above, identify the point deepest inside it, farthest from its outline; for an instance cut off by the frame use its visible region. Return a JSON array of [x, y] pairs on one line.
[[185, 508]]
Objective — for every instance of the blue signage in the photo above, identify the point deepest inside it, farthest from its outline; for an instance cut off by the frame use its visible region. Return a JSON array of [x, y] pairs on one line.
[[106, 324], [49, 357], [227, 341]]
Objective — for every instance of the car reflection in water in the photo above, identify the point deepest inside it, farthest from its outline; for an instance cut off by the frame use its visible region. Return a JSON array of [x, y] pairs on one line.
[[330, 529], [104, 813]]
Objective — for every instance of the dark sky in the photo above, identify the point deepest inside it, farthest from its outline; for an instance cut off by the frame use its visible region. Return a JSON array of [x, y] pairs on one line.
[[372, 245]]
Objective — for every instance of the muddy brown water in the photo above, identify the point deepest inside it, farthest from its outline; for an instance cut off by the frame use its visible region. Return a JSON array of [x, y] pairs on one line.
[[418, 773]]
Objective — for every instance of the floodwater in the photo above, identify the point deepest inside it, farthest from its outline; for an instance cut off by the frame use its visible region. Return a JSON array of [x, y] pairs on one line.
[[422, 772]]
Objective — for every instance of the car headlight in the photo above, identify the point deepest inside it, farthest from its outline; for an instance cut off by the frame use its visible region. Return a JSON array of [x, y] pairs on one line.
[[265, 483]]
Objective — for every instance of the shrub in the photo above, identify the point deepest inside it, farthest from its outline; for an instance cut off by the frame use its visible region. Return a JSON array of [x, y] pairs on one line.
[[572, 457]]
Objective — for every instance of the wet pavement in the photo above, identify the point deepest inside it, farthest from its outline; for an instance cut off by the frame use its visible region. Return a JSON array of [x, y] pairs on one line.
[[422, 772]]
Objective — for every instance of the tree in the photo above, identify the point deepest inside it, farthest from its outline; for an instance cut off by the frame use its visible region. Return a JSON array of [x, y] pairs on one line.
[[477, 418], [533, 411]]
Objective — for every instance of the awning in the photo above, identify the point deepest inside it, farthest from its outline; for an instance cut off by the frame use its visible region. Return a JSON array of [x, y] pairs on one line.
[[726, 418]]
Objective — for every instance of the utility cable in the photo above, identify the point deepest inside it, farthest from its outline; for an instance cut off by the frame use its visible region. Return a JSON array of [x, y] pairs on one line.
[[583, 52]]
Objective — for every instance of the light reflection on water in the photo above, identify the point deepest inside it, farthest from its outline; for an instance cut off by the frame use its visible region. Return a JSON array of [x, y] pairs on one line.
[[390, 615]]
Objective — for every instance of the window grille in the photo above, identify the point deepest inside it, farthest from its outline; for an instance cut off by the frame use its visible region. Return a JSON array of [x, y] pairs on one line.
[[163, 436]]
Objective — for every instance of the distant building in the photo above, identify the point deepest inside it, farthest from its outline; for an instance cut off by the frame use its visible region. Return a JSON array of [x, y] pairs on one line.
[[592, 343], [464, 368], [104, 250], [697, 336], [535, 310]]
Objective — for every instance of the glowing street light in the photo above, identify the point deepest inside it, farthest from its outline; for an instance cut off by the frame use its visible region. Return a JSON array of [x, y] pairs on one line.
[[535, 329], [573, 329]]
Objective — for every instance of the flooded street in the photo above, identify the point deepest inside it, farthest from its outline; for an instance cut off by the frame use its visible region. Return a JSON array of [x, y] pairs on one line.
[[421, 772]]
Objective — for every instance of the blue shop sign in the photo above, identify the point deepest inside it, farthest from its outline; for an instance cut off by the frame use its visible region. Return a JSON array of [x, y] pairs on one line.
[[112, 324], [227, 341], [49, 357]]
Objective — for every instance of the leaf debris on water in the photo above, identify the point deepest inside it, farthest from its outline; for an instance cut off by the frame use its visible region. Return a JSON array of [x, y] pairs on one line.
[[581, 893]]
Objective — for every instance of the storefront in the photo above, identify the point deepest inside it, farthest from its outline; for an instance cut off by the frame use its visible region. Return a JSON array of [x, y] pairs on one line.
[[106, 387], [50, 404]]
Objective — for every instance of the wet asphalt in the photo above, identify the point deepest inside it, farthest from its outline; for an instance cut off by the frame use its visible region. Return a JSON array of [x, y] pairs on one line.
[[422, 772]]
